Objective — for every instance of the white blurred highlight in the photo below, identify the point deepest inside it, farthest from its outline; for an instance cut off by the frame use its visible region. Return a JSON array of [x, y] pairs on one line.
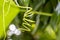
[[12, 27], [13, 30], [17, 32], [9, 33], [58, 8]]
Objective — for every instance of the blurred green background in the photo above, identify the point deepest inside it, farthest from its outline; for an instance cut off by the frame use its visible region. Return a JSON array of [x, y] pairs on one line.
[[40, 23]]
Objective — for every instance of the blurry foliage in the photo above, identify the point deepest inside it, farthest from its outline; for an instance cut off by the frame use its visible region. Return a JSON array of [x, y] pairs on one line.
[[40, 23]]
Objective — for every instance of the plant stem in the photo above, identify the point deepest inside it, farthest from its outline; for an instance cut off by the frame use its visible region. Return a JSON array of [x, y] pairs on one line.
[[4, 20], [40, 13]]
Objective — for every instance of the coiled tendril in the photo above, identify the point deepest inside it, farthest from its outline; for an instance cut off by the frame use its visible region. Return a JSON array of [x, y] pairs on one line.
[[26, 21]]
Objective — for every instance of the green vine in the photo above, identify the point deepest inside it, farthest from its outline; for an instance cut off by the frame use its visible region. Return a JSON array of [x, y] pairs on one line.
[[27, 14]]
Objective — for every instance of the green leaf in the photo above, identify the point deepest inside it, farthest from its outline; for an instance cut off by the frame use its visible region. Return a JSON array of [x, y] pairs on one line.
[[58, 34], [50, 31], [55, 19], [8, 11]]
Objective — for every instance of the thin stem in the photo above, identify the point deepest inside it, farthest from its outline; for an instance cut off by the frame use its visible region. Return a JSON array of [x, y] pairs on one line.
[[4, 20], [8, 8], [40, 13]]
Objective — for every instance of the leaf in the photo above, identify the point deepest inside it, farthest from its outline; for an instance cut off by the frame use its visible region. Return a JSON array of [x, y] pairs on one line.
[[58, 34], [8, 12], [55, 19], [50, 31]]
